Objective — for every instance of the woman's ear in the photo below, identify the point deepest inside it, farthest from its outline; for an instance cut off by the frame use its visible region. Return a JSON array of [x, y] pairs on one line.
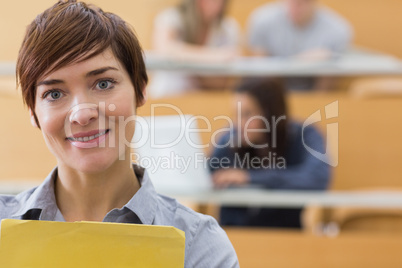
[[144, 94], [33, 121]]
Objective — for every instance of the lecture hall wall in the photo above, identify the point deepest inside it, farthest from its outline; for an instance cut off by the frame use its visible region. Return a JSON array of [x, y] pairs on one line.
[[377, 23]]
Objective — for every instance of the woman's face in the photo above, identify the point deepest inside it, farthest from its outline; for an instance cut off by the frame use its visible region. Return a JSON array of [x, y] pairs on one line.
[[86, 113], [210, 9], [249, 119]]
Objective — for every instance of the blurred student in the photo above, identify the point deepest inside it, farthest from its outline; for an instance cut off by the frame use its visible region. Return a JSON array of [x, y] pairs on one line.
[[302, 29], [265, 149], [195, 31]]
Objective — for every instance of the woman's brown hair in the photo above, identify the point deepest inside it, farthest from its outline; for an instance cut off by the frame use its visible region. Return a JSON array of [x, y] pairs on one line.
[[70, 32], [270, 94], [192, 21]]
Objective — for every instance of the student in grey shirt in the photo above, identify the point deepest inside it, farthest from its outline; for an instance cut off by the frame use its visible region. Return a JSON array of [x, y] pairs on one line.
[[301, 29], [82, 76]]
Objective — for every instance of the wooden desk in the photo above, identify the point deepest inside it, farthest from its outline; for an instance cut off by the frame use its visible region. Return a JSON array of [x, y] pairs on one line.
[[353, 63], [273, 248]]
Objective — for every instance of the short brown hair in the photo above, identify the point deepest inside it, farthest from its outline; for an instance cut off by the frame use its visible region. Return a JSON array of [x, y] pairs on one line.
[[70, 32]]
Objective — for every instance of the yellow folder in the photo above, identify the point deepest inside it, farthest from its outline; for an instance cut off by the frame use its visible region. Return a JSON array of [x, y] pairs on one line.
[[49, 244]]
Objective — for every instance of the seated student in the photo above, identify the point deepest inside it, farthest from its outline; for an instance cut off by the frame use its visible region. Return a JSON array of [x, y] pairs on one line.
[[266, 149], [82, 72], [194, 30], [298, 28]]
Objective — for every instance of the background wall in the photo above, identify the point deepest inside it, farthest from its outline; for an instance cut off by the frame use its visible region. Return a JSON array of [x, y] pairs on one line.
[[376, 23]]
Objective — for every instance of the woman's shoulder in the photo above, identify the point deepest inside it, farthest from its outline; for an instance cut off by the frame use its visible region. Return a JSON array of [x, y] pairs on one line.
[[224, 136], [169, 15], [10, 204], [301, 136], [170, 11], [181, 216], [230, 29], [269, 13], [297, 128], [230, 23]]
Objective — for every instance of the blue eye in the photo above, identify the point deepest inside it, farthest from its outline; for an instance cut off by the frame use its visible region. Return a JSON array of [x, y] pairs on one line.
[[52, 95], [55, 95], [104, 84]]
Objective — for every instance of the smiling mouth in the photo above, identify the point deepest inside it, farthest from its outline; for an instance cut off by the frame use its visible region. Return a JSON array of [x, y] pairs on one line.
[[88, 138]]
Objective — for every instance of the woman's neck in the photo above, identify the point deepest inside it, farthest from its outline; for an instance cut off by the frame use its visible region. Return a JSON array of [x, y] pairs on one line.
[[89, 197]]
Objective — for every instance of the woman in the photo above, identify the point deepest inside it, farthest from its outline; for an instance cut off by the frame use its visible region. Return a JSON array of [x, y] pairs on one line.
[[266, 149], [82, 76], [195, 31]]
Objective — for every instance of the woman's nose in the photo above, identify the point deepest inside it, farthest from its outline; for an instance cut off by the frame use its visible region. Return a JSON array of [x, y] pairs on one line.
[[84, 113]]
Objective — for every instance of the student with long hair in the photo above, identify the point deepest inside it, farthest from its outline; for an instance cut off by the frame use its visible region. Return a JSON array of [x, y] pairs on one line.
[[265, 149], [196, 31]]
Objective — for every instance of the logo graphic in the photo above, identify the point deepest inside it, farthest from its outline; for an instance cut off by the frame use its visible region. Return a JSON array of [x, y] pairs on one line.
[[330, 156]]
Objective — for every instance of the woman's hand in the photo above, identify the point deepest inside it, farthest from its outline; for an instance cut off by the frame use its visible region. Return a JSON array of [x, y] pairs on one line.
[[227, 177]]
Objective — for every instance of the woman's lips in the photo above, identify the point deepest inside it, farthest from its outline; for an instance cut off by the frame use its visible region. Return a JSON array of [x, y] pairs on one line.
[[89, 139]]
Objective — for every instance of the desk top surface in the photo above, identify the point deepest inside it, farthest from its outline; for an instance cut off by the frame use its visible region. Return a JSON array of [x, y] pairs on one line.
[[352, 63], [259, 197]]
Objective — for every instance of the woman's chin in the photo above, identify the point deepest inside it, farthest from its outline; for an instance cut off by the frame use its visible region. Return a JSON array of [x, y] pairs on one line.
[[91, 166], [95, 160]]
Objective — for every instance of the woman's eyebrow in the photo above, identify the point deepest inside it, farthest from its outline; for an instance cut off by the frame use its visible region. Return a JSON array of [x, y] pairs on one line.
[[50, 82], [100, 71], [91, 73]]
